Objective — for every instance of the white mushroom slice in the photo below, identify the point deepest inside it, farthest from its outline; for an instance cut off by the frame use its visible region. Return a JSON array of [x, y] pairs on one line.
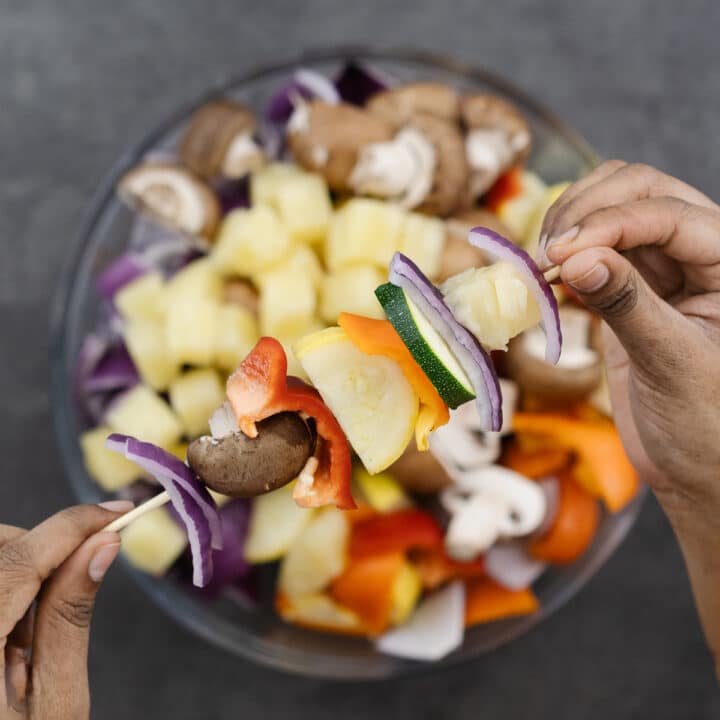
[[172, 196], [523, 499], [474, 526], [467, 414], [223, 421], [401, 169], [299, 121], [511, 565], [490, 151], [457, 448], [242, 156]]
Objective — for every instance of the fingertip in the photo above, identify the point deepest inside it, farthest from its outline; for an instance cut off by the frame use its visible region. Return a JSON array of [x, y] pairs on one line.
[[102, 559]]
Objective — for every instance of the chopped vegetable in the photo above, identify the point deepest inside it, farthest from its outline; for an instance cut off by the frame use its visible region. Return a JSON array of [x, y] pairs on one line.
[[511, 565], [382, 492], [317, 611], [501, 249], [260, 388], [142, 298], [194, 396], [436, 567], [119, 273], [115, 370], [368, 394], [109, 470], [148, 347], [188, 495], [378, 337], [466, 349], [487, 601], [605, 470], [574, 527], [399, 531], [507, 187], [537, 463], [357, 83], [351, 289]]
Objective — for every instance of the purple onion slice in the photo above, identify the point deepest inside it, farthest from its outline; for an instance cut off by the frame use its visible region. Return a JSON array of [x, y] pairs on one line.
[[188, 495], [124, 270], [472, 357], [305, 84], [357, 83], [499, 248], [114, 371]]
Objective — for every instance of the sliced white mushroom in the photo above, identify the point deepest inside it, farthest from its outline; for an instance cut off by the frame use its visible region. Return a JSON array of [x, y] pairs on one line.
[[457, 448], [474, 525], [172, 196], [468, 416], [511, 565], [576, 351], [401, 169], [242, 156], [223, 421]]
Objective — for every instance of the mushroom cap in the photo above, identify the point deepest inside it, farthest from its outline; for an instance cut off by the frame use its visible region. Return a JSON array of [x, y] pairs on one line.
[[212, 129], [172, 196], [240, 466], [451, 168], [398, 105], [483, 111], [420, 472], [329, 141]]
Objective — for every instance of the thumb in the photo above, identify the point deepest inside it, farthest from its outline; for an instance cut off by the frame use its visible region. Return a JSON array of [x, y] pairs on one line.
[[62, 630], [647, 327]]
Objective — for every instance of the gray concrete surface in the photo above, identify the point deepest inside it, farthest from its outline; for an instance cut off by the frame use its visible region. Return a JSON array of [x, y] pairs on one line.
[[79, 79]]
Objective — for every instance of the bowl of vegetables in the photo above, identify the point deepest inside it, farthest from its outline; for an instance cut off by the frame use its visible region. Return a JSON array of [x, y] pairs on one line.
[[316, 284]]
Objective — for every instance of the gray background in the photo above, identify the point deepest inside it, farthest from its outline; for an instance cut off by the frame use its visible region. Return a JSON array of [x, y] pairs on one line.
[[80, 79]]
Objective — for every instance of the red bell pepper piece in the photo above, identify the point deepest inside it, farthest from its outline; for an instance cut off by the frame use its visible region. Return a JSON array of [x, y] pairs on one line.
[[260, 388], [398, 531], [436, 568], [508, 186]]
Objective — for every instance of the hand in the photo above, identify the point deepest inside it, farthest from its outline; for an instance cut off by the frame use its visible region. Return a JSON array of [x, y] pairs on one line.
[[48, 580], [643, 250]]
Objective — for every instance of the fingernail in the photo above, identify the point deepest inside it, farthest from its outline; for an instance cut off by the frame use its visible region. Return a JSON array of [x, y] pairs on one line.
[[120, 506], [562, 239], [596, 278], [102, 560]]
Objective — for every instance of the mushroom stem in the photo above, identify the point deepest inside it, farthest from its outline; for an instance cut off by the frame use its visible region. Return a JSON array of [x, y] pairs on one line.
[[124, 520]]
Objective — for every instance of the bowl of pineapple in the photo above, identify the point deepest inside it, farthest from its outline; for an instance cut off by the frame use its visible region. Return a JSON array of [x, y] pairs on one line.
[[176, 275]]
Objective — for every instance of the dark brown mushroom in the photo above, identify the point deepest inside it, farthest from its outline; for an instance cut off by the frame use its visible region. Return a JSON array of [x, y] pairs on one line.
[[240, 466], [326, 138], [420, 472], [219, 141], [399, 105]]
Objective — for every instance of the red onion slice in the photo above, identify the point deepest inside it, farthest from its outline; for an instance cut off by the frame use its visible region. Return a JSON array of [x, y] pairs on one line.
[[114, 371], [499, 248], [511, 565], [123, 271], [474, 360], [188, 495], [305, 84], [357, 83]]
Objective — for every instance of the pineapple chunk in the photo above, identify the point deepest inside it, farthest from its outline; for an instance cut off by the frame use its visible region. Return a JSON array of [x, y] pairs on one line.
[[532, 237], [143, 298], [153, 542], [368, 394], [287, 302], [351, 289], [194, 396], [275, 523], [493, 303], [191, 331], [302, 260], [318, 554], [264, 183], [382, 491], [237, 334], [518, 212], [365, 231], [199, 280], [250, 241], [146, 343], [423, 241], [146, 416], [317, 611], [303, 202], [110, 470], [405, 594]]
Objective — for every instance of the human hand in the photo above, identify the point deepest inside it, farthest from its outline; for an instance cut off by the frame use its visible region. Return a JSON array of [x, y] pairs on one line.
[[643, 250], [49, 577]]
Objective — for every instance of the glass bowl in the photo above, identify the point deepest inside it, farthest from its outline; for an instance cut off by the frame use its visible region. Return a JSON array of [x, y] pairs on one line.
[[258, 634]]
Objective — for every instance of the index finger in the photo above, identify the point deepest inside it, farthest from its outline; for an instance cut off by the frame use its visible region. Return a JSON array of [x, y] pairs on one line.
[[29, 559], [10, 532]]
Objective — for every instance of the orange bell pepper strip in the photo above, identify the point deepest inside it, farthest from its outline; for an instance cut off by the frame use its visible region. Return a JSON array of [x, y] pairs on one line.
[[398, 531], [366, 587], [379, 337], [574, 527], [508, 186], [607, 472], [486, 601], [260, 388], [436, 568], [535, 464], [318, 611]]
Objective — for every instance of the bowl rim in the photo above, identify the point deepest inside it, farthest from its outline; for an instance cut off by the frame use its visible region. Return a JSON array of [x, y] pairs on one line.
[[175, 601]]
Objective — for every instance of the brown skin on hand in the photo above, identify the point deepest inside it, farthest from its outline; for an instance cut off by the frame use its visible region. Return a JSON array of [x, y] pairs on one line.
[[643, 250]]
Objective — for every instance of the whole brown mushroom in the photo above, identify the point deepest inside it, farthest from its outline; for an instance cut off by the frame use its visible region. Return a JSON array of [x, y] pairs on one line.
[[242, 293], [420, 472], [219, 142], [398, 105], [326, 138]]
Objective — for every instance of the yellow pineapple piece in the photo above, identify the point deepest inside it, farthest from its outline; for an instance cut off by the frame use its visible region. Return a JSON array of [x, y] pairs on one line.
[[533, 234], [302, 259], [194, 396], [142, 413], [191, 331], [200, 280], [265, 182], [154, 541], [352, 290], [423, 241], [287, 302], [364, 232], [303, 202], [519, 212], [147, 345], [250, 241], [143, 298], [237, 334], [110, 470]]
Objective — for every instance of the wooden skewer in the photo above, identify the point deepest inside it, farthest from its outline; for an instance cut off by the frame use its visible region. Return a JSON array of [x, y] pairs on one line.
[[552, 274], [124, 520]]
